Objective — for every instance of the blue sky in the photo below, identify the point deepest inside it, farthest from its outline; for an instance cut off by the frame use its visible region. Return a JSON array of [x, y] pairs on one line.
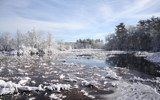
[[70, 20]]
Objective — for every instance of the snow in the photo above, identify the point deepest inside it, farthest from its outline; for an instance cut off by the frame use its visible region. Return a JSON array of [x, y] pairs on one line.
[[7, 87], [154, 57], [89, 84], [111, 74], [62, 76], [86, 94], [156, 80], [70, 80], [4, 91], [28, 88], [58, 87], [32, 98], [57, 96], [142, 54], [24, 80], [85, 83], [2, 83], [53, 96], [136, 91], [10, 87]]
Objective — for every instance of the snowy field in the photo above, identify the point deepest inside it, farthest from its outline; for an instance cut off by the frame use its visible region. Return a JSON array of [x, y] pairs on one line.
[[52, 78]]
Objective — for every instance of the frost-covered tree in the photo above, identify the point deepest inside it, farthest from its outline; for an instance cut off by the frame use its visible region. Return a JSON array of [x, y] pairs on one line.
[[89, 43], [34, 40], [5, 41], [51, 45], [144, 36]]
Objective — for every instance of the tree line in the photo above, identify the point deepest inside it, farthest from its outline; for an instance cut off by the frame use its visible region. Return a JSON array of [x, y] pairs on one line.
[[145, 36], [89, 43]]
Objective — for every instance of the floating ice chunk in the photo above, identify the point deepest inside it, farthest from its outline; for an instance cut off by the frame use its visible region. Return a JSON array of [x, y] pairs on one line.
[[7, 87], [71, 80], [58, 87], [112, 75], [28, 88], [62, 76], [52, 63], [44, 64], [88, 84], [76, 86], [85, 83], [86, 94], [24, 80], [54, 80], [53, 96], [33, 82], [32, 98], [31, 88], [2, 83], [57, 96], [44, 76], [115, 83], [4, 91], [26, 66], [40, 88]]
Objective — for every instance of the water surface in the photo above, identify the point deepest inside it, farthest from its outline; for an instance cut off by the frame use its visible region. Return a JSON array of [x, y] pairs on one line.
[[128, 61]]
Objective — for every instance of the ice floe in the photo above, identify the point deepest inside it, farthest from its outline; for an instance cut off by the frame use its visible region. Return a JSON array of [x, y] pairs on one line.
[[111, 74], [58, 87], [11, 88], [57, 96], [24, 80]]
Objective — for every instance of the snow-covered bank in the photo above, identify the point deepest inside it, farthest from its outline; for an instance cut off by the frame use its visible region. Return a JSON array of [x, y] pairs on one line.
[[154, 57], [11, 87], [101, 53]]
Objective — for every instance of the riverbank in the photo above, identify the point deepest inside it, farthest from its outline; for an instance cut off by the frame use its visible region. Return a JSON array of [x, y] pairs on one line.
[[101, 54]]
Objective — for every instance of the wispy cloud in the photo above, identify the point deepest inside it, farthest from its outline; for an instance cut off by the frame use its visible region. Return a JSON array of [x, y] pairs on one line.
[[27, 24], [67, 17]]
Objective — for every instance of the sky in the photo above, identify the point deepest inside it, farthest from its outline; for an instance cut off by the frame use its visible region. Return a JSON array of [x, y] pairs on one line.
[[69, 20]]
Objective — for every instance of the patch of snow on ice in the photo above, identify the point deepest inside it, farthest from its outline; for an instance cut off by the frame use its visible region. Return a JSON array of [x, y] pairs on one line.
[[112, 75], [62, 76], [24, 80], [58, 87], [86, 94], [32, 98], [71, 80], [57, 96]]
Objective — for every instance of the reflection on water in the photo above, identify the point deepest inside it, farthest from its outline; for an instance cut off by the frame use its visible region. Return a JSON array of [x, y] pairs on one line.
[[121, 60], [88, 62], [134, 63]]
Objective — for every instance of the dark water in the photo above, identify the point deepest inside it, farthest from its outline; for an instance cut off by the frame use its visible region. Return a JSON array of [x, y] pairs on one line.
[[128, 61], [139, 64]]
